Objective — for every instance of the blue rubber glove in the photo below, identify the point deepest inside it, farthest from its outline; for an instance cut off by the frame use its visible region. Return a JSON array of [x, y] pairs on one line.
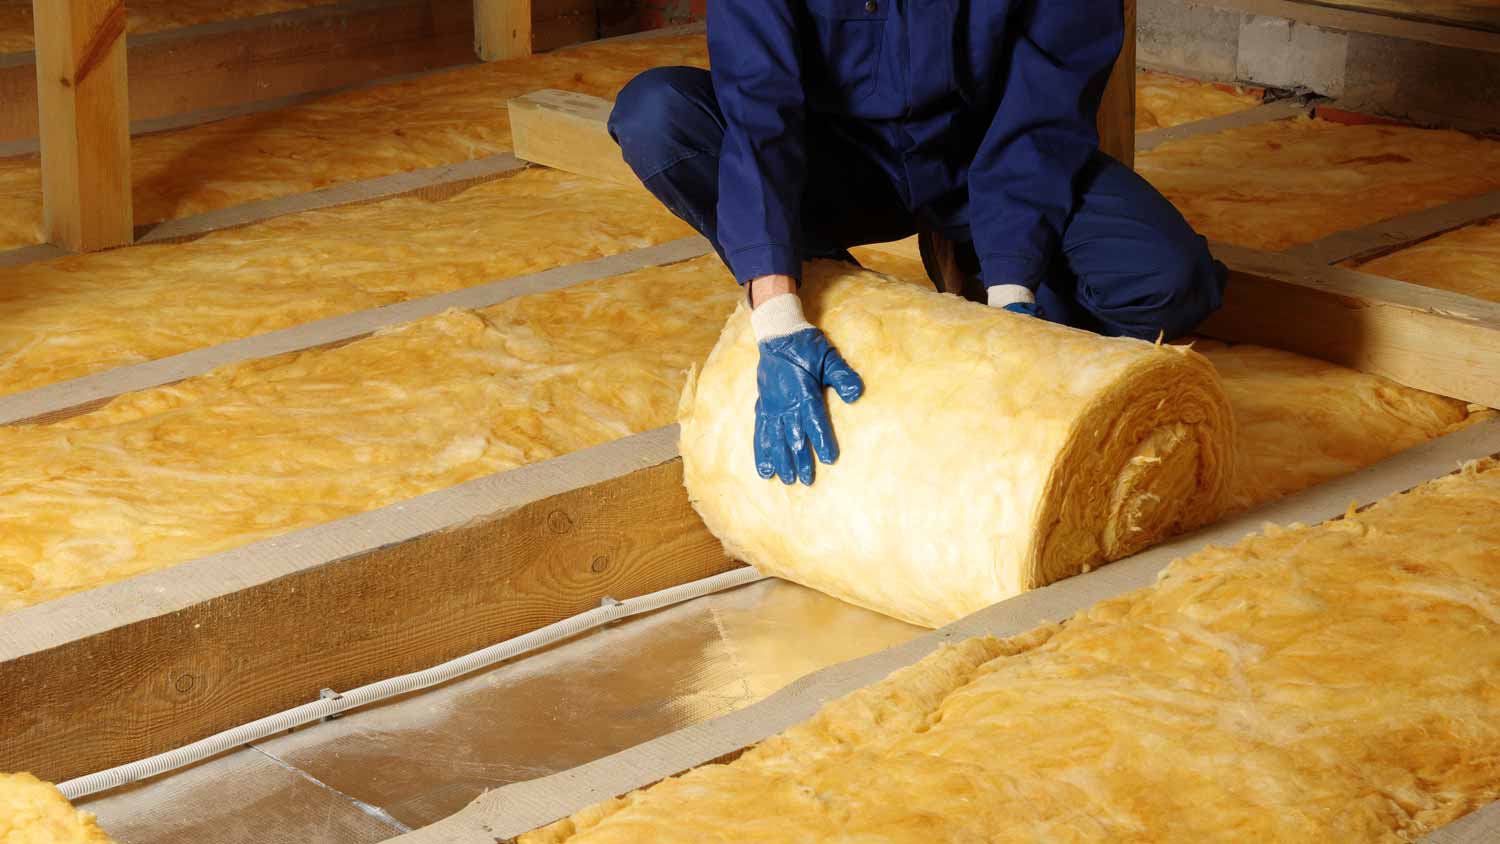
[[1026, 308], [791, 415]]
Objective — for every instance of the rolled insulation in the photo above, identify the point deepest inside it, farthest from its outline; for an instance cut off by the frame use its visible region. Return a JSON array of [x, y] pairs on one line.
[[990, 454], [35, 812]]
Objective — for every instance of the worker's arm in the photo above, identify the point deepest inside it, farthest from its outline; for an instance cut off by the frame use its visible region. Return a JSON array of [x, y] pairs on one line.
[[755, 59], [1023, 180]]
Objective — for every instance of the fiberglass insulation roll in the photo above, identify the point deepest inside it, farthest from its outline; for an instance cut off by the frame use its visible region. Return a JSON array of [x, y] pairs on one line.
[[990, 454]]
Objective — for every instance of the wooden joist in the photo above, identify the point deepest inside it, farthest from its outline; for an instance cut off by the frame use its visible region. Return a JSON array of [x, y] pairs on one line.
[[502, 29], [1431, 339], [1117, 111], [218, 66], [1388, 235], [85, 123], [129, 670], [568, 131]]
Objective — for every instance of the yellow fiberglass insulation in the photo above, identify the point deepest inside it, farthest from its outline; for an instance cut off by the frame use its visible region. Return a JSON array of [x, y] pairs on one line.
[[1331, 683], [35, 812], [263, 448], [266, 447], [1465, 260], [1277, 185], [1300, 421], [438, 118], [990, 454], [1164, 100], [86, 313]]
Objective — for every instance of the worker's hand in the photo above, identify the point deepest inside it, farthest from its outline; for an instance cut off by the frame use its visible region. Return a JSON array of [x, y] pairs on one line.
[[791, 415], [1014, 298]]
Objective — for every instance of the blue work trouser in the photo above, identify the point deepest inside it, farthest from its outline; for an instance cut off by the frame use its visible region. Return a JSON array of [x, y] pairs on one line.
[[1129, 264]]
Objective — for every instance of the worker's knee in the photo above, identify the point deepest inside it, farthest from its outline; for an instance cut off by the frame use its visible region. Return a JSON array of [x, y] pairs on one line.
[[1175, 285], [663, 115]]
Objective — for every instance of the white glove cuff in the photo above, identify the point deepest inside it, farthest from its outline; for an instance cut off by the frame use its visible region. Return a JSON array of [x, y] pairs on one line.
[[1008, 294], [778, 316]]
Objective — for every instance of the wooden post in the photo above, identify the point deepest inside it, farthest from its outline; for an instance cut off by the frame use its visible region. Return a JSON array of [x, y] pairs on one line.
[[84, 122], [502, 29], [1117, 111]]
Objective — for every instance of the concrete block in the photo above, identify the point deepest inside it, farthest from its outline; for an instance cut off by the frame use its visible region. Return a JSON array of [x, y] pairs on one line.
[[1285, 54], [1186, 37]]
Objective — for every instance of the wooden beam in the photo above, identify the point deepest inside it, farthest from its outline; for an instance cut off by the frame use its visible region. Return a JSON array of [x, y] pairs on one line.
[[568, 131], [1263, 113], [85, 122], [1391, 234], [1422, 337], [129, 670], [217, 66], [502, 29], [1117, 111]]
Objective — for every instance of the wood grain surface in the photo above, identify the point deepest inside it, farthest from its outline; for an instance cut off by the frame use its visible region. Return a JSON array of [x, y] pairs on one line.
[[353, 606]]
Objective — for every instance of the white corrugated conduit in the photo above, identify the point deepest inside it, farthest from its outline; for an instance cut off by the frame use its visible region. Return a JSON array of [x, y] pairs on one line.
[[334, 704]]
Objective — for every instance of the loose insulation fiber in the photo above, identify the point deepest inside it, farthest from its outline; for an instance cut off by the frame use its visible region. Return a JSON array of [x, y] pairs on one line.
[[991, 453], [35, 812], [1277, 185], [1465, 260], [86, 313]]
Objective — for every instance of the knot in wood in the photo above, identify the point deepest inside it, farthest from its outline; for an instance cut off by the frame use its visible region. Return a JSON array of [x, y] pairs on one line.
[[559, 522]]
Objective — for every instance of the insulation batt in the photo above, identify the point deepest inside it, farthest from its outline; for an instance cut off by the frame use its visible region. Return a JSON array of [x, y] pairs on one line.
[[147, 481], [86, 313], [1465, 260], [35, 812], [1277, 185], [1310, 685], [1164, 100], [990, 454]]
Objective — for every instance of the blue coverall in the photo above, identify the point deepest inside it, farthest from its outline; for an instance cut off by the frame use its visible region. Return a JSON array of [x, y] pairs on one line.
[[826, 124]]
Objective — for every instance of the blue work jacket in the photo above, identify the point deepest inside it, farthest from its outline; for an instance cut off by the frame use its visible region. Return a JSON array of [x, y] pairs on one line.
[[982, 112]]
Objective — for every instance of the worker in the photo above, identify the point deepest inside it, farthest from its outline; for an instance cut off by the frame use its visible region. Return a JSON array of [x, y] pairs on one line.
[[826, 124]]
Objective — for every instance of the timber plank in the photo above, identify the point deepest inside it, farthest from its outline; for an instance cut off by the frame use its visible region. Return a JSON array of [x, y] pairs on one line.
[[1116, 121], [231, 63], [133, 669], [1389, 235], [568, 131], [1373, 23], [502, 29], [1431, 339]]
